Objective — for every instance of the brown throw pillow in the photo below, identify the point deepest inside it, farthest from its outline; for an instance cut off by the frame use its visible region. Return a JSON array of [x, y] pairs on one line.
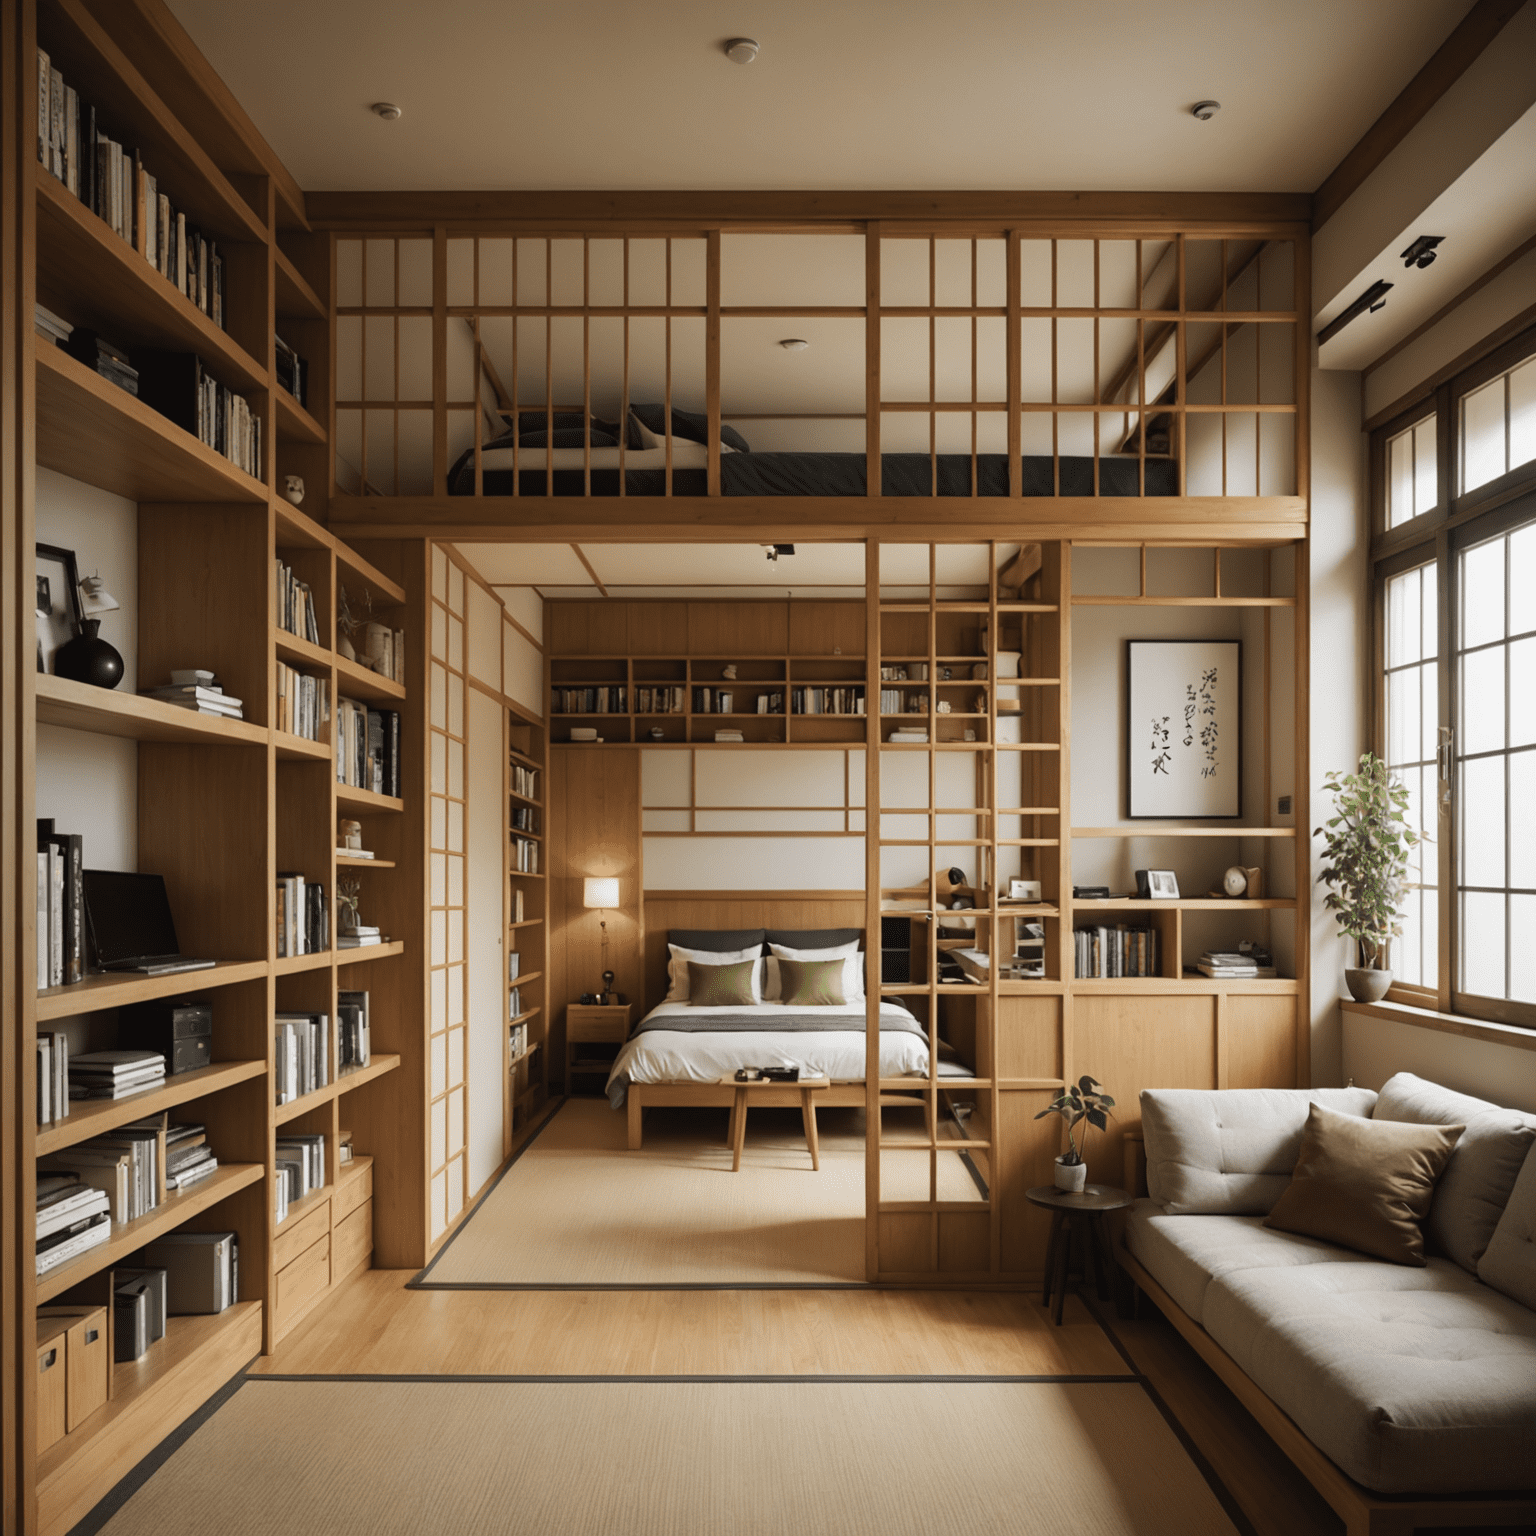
[[721, 986], [811, 983], [1365, 1184]]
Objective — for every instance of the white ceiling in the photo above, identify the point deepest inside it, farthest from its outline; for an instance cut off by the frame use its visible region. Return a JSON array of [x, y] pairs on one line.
[[1038, 94]]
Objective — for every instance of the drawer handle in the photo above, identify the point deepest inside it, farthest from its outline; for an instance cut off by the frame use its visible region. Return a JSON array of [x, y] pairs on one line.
[[48, 1361], [92, 1334]]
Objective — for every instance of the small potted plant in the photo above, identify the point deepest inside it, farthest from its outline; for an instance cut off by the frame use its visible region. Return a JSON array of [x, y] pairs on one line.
[[1366, 847], [1084, 1101]]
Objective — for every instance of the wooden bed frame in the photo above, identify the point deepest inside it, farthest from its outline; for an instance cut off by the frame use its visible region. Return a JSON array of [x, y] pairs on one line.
[[849, 1094]]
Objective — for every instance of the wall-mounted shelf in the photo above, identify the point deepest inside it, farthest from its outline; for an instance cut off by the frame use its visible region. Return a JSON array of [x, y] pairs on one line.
[[82, 707], [118, 991]]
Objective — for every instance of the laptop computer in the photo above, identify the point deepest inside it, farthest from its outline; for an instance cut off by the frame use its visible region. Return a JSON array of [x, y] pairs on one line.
[[130, 924]]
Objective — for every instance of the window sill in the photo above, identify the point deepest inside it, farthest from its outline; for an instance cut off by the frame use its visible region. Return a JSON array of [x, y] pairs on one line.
[[1445, 1023]]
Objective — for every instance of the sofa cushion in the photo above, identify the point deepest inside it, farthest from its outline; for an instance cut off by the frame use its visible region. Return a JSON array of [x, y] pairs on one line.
[[1473, 1190], [1412, 1380], [1230, 1151], [1509, 1263], [1365, 1184], [1185, 1253]]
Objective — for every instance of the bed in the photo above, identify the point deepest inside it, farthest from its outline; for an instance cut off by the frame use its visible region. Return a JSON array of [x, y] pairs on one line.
[[679, 1052]]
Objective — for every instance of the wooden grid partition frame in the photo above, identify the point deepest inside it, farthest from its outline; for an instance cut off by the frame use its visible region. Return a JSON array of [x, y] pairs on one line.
[[1018, 361]]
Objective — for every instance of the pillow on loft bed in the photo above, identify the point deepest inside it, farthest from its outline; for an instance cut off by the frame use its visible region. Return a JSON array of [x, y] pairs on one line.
[[691, 425]]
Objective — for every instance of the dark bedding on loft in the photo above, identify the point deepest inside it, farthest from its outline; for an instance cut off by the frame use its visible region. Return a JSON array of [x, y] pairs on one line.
[[832, 474]]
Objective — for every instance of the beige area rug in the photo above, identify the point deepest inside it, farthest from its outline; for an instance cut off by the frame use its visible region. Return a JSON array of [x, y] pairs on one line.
[[578, 1208], [677, 1458]]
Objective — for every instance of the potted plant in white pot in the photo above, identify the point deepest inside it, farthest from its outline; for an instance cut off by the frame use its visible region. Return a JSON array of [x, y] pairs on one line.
[[1083, 1101], [1366, 847]]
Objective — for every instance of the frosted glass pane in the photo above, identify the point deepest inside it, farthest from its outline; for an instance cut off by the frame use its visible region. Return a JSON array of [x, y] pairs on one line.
[[439, 764], [1522, 693], [1482, 435], [455, 880], [455, 938], [1522, 415], [455, 994], [1482, 593], [1430, 960], [439, 822], [439, 574], [456, 1115], [1402, 716], [1429, 713], [1482, 944], [1522, 831], [1522, 962], [439, 880], [1482, 701], [455, 1187], [1426, 469], [1400, 478], [439, 1064], [439, 1205], [439, 938], [439, 696], [1522, 580], [1482, 821], [455, 827], [1429, 609], [439, 1134], [1403, 625], [455, 1056]]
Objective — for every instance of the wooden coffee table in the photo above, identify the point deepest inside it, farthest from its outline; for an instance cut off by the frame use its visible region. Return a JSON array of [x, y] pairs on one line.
[[1086, 1209], [763, 1094]]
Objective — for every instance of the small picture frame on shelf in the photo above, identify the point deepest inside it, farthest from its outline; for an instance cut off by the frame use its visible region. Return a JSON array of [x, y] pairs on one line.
[[1157, 885], [58, 602]]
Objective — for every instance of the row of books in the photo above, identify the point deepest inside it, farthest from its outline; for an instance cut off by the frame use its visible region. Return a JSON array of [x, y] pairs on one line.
[[909, 735], [52, 1077], [514, 1003], [112, 182], [367, 747], [894, 702], [199, 690], [296, 606], [300, 1169], [1104, 952], [60, 906], [359, 936], [722, 701], [525, 856], [517, 1041], [303, 918], [188, 1157], [661, 701], [353, 1044], [525, 781], [115, 1074], [610, 700], [178, 386], [1250, 963], [124, 1164], [72, 1218], [292, 370], [302, 1054], [826, 701], [383, 650], [303, 702], [524, 819], [912, 672]]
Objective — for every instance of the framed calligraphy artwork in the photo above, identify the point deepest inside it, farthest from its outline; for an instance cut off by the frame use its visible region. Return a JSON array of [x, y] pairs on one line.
[[1183, 736]]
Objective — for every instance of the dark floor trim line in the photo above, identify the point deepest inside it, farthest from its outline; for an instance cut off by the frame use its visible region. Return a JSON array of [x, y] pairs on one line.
[[419, 1282], [1129, 1380], [157, 1458]]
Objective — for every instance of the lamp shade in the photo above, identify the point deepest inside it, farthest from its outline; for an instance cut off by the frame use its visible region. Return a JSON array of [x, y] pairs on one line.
[[600, 891]]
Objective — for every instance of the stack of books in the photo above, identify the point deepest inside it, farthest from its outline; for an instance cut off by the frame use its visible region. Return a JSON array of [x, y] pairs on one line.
[[909, 733], [199, 690], [363, 936], [60, 906], [125, 1163], [72, 1217], [518, 1040], [115, 1074], [302, 1055], [52, 1077], [188, 1157], [725, 735], [353, 1044], [50, 326], [1234, 963], [104, 357]]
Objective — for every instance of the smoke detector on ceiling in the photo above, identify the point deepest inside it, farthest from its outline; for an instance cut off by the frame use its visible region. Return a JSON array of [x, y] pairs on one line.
[[741, 50], [1204, 111], [387, 110]]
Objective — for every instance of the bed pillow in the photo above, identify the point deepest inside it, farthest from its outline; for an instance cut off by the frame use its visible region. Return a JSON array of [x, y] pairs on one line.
[[853, 968], [687, 424], [567, 437], [813, 983], [815, 938], [677, 968], [717, 941], [733, 985]]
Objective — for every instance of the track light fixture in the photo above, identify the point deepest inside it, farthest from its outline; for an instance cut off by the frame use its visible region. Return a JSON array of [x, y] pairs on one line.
[[1370, 301], [1422, 252], [775, 550]]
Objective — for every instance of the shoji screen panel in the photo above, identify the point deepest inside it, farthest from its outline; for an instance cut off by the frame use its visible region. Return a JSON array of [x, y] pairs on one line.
[[448, 731]]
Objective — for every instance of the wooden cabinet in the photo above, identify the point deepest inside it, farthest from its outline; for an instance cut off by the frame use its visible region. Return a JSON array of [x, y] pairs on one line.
[[588, 1024]]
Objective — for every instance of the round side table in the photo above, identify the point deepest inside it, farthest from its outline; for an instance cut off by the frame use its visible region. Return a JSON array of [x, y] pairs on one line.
[[1085, 1209]]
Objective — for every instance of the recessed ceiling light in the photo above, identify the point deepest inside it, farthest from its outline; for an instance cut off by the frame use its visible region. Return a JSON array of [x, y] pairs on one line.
[[741, 50], [1204, 111], [794, 344], [387, 110]]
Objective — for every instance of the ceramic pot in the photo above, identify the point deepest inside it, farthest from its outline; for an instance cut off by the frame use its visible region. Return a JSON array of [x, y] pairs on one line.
[[1365, 986], [90, 659], [1071, 1176]]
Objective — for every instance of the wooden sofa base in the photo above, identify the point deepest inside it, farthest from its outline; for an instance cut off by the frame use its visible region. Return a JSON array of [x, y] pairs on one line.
[[1363, 1512], [641, 1097]]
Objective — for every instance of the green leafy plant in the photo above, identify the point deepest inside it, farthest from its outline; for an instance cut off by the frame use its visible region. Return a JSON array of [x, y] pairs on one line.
[[1084, 1101], [1366, 847]]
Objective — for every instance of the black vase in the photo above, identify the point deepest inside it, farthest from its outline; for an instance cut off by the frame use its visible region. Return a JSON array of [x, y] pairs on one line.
[[90, 659]]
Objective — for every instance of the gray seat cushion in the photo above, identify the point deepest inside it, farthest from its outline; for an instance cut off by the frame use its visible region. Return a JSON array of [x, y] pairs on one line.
[[1230, 1152], [1472, 1192], [1509, 1264], [1412, 1380], [1185, 1253]]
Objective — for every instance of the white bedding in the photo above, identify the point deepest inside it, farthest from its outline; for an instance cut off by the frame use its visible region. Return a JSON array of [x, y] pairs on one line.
[[679, 1056]]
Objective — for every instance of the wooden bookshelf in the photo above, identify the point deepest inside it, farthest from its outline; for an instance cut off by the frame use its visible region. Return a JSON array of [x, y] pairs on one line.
[[525, 1073]]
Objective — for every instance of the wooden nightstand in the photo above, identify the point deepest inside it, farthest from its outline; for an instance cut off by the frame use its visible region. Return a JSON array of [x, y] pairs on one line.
[[588, 1024]]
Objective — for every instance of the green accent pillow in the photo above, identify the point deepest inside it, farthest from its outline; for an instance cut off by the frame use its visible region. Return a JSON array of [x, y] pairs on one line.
[[721, 986], [811, 983]]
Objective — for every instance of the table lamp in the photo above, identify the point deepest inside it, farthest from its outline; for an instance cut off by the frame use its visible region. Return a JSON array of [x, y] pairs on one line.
[[601, 893]]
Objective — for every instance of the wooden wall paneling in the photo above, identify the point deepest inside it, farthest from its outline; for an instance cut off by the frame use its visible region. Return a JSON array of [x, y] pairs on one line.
[[906, 1242], [825, 629], [965, 1242], [1024, 1150], [1261, 1041], [655, 629], [738, 629], [1028, 1035]]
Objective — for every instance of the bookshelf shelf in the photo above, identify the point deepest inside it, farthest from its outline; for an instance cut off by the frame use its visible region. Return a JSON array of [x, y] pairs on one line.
[[352, 798], [370, 575], [294, 421], [296, 300], [1273, 986], [347, 861], [81, 707], [134, 450], [355, 1077], [295, 528], [93, 1117], [354, 681], [527, 922], [524, 979], [522, 1018], [1189, 904], [298, 651], [131, 1235], [289, 965], [93, 277], [299, 749], [370, 952], [113, 991]]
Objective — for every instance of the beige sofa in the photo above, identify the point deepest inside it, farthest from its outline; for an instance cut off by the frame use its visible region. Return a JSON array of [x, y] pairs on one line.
[[1406, 1395]]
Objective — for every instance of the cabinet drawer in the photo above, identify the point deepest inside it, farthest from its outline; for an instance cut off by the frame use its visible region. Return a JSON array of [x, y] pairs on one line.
[[580, 1025], [52, 1391], [352, 1241], [300, 1282], [293, 1237], [351, 1194]]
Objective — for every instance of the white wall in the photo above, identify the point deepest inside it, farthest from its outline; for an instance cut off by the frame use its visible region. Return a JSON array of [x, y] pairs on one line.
[[485, 951], [1373, 1049]]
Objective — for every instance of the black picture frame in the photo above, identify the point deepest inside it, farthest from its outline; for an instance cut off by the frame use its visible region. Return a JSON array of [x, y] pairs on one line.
[[57, 603], [1162, 660]]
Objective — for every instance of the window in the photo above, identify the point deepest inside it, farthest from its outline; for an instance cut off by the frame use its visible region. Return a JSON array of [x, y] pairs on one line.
[[1457, 692]]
